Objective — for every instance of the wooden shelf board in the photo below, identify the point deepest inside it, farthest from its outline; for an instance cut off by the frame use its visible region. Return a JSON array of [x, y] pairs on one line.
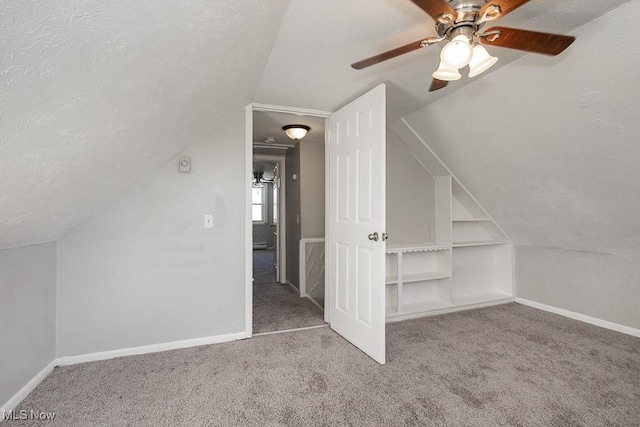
[[471, 219], [391, 280], [479, 243], [423, 247], [480, 298], [419, 277], [418, 307]]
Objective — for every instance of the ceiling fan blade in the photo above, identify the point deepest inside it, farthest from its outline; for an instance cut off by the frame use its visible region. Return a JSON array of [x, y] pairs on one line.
[[437, 85], [529, 41], [392, 53], [505, 6], [439, 10]]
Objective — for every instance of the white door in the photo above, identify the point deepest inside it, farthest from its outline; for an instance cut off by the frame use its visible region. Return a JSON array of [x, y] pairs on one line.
[[357, 209]]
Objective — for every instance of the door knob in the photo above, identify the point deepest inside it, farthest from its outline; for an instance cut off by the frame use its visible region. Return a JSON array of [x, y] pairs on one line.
[[374, 236]]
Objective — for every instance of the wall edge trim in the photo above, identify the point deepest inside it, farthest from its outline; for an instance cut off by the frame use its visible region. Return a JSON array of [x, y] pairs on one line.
[[153, 348], [13, 402], [628, 330]]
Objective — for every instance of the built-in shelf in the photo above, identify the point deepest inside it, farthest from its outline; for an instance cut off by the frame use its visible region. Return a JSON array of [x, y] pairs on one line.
[[439, 276], [480, 243], [480, 298], [423, 247], [419, 277], [418, 308]]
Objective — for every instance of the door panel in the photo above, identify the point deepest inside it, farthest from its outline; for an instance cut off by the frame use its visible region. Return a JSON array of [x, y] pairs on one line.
[[357, 209]]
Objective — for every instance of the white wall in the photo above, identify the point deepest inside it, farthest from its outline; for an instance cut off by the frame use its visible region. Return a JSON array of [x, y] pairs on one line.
[[598, 285], [549, 146], [27, 315], [410, 196], [143, 270]]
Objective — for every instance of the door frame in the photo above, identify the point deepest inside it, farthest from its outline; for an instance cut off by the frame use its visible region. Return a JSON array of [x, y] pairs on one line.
[[282, 214], [249, 110]]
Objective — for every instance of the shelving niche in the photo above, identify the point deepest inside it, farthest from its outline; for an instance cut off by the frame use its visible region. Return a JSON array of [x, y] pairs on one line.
[[468, 263]]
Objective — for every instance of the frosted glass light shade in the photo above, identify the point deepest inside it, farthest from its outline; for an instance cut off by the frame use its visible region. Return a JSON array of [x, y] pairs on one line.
[[446, 73], [457, 53], [481, 61], [296, 132]]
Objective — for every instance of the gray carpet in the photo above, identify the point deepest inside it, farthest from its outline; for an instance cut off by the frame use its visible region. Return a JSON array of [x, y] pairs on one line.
[[509, 365], [264, 270], [277, 307]]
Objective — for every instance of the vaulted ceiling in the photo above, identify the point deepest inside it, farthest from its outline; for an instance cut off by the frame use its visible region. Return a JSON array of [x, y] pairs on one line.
[[96, 95]]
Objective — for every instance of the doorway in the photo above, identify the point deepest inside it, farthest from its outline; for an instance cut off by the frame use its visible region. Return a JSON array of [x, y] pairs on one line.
[[354, 210], [287, 223]]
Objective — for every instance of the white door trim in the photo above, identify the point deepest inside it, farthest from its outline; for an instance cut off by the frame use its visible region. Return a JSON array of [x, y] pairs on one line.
[[248, 176]]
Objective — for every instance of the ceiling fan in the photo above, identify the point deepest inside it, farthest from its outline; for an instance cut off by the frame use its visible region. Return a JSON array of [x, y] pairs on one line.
[[259, 179], [461, 22]]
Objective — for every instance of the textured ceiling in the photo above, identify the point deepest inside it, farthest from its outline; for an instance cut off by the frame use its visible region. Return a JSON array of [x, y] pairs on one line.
[[310, 63], [551, 148], [96, 95]]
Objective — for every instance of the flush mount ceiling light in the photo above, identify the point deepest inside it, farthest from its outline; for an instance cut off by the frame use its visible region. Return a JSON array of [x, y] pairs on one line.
[[461, 22], [296, 132]]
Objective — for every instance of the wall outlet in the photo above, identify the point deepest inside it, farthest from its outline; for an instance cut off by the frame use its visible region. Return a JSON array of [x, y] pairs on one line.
[[208, 221]]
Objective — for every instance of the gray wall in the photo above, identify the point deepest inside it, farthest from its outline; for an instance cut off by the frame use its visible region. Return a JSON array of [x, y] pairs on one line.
[[598, 285], [292, 166], [264, 232], [410, 196], [312, 189], [305, 198], [559, 168], [144, 270], [27, 315]]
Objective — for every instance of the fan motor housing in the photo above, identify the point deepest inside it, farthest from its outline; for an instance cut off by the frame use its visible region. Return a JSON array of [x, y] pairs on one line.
[[465, 23]]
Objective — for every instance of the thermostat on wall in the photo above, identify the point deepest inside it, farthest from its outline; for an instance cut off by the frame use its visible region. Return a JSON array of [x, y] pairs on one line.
[[184, 164]]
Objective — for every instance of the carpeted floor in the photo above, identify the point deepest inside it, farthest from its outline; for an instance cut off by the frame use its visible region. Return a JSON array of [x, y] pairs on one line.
[[509, 365], [276, 307], [264, 270]]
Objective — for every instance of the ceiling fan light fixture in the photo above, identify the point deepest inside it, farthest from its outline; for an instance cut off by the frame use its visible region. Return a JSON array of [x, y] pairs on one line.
[[446, 73], [296, 132], [457, 53], [481, 61]]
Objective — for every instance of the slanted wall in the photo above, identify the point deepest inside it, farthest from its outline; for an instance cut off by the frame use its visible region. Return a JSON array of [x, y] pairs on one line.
[[549, 147]]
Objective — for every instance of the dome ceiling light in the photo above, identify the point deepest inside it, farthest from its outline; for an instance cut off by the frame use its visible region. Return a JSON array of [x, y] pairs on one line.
[[296, 132]]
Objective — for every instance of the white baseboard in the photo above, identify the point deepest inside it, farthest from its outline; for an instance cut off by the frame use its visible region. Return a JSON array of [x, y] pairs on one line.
[[154, 348], [28, 388], [581, 317], [92, 357]]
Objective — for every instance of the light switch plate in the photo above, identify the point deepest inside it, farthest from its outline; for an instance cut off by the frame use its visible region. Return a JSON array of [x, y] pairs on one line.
[[208, 221]]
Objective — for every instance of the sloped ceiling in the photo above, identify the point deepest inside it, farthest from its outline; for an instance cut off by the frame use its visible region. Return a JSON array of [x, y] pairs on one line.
[[310, 63], [96, 95], [552, 147]]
